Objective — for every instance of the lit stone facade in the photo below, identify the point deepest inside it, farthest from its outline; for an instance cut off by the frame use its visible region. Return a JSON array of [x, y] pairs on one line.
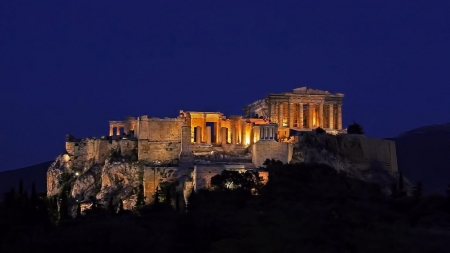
[[196, 133], [302, 108]]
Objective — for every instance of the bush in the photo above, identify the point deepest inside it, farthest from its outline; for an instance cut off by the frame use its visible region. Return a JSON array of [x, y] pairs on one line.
[[355, 128]]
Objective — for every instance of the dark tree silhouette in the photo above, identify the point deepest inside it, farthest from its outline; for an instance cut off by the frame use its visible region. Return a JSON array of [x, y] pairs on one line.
[[418, 189], [320, 130], [78, 210], [140, 196], [111, 206], [355, 128]]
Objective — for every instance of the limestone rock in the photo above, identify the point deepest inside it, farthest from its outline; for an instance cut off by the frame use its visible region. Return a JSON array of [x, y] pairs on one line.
[[119, 180], [61, 164], [87, 184]]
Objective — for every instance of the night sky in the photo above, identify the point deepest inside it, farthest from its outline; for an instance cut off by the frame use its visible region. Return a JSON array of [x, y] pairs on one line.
[[71, 66]]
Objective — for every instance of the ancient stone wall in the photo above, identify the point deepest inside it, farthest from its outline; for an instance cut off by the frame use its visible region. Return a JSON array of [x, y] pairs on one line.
[[158, 151], [263, 150], [167, 129], [87, 152], [364, 151]]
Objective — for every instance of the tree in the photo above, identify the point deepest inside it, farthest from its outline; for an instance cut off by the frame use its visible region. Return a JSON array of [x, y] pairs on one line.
[[418, 189], [230, 179], [63, 206], [355, 128], [320, 130], [33, 198], [111, 206], [78, 210], [140, 196], [20, 188], [121, 207]]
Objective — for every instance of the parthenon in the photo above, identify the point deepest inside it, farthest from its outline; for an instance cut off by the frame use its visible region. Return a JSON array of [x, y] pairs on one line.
[[302, 108]]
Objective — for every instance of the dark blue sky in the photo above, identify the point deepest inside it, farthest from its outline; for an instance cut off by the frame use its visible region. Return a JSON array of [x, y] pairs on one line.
[[67, 66]]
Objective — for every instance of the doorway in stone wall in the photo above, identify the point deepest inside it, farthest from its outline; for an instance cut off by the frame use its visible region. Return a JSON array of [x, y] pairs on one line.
[[213, 131]]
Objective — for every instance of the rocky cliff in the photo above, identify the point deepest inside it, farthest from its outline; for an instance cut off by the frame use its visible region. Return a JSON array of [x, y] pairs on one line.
[[119, 175], [116, 179], [361, 157]]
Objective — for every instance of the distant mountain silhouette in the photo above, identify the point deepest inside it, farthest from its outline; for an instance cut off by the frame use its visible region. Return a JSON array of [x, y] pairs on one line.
[[424, 156], [36, 173]]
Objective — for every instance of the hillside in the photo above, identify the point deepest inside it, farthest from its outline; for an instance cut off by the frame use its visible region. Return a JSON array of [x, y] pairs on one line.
[[302, 208], [36, 173], [424, 155]]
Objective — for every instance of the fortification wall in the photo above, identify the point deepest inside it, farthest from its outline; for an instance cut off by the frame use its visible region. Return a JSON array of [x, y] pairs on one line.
[[167, 129], [364, 151], [263, 150], [87, 152], [158, 151]]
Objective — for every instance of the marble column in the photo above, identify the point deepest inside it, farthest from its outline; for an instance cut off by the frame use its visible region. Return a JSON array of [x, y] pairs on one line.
[[300, 116], [208, 135], [291, 115], [198, 134], [118, 130], [233, 135], [111, 130], [223, 135], [272, 108], [339, 116], [330, 116], [280, 114], [321, 123], [310, 115], [204, 136]]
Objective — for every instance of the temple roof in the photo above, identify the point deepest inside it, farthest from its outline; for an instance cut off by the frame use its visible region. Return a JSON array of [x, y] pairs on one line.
[[305, 90]]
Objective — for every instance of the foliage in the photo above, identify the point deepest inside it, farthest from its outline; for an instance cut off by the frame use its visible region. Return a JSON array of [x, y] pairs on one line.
[[320, 130], [230, 180], [355, 128], [302, 208]]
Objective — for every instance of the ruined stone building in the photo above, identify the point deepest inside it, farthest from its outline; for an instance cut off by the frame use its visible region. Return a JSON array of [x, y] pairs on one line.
[[198, 145], [264, 124], [300, 109]]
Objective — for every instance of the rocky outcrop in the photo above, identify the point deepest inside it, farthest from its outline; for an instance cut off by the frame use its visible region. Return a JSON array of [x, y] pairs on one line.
[[62, 164], [118, 180], [352, 154]]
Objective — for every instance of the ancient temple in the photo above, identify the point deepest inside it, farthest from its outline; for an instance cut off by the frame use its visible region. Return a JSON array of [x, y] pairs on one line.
[[302, 108]]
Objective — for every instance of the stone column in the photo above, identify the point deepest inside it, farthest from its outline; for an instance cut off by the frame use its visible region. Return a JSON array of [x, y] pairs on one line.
[[291, 115], [321, 123], [310, 115], [233, 134], [111, 130], [243, 133], [330, 117], [208, 135], [300, 116], [204, 128], [223, 135], [198, 134], [261, 133], [272, 112], [280, 114], [118, 130], [218, 129], [339, 116]]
